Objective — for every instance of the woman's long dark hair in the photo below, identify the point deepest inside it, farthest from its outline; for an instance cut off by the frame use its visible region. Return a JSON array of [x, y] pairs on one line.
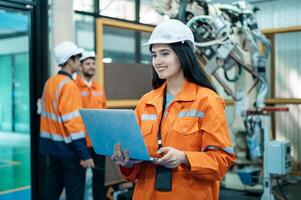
[[191, 69]]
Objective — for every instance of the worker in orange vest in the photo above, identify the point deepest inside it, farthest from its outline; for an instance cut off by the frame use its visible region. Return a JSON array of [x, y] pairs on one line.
[[62, 132], [183, 124], [93, 96]]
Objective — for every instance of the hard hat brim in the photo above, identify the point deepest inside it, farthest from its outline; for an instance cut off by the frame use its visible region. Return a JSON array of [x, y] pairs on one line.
[[85, 58], [163, 41], [159, 41], [79, 51], [87, 54]]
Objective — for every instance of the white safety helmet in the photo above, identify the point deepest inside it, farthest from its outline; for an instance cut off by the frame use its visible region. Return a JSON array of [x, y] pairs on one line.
[[171, 31], [87, 54], [65, 50]]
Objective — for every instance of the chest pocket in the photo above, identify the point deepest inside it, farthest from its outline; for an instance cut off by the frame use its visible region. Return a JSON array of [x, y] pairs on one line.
[[147, 127], [186, 125]]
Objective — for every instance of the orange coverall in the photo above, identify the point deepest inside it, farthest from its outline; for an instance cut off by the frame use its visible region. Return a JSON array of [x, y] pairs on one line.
[[194, 123], [92, 97], [62, 132]]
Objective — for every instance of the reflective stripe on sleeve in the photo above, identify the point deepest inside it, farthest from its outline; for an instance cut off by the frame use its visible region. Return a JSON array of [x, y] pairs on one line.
[[51, 116], [58, 90], [148, 117], [228, 150], [191, 113], [69, 116], [61, 119]]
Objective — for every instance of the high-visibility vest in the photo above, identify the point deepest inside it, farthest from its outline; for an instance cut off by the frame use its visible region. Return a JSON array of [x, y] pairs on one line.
[[62, 132], [92, 97], [194, 123]]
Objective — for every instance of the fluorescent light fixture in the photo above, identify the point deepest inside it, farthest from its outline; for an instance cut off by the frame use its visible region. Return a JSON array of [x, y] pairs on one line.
[[107, 60]]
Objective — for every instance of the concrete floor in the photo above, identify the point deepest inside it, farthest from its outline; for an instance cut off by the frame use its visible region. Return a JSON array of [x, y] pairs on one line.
[[292, 191], [15, 173], [14, 160], [227, 194]]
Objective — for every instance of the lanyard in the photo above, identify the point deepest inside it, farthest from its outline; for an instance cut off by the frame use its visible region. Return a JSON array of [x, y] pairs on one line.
[[163, 180], [162, 115]]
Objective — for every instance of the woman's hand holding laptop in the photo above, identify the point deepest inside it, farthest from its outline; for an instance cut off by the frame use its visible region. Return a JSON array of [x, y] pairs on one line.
[[122, 158], [171, 157]]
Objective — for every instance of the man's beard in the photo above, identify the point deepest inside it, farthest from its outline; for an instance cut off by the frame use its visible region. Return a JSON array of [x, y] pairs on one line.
[[87, 74]]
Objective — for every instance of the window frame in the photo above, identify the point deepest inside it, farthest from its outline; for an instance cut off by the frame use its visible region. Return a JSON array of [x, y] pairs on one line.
[[100, 23]]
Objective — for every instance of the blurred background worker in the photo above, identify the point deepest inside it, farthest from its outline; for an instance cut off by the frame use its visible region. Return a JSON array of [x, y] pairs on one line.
[[93, 96], [62, 132]]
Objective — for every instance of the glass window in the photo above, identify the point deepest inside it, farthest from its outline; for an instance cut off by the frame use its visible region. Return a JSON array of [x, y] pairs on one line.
[[14, 101], [287, 65], [122, 9], [15, 83], [6, 88], [83, 5], [84, 31], [287, 85], [21, 93], [25, 0], [118, 45], [148, 15], [145, 53]]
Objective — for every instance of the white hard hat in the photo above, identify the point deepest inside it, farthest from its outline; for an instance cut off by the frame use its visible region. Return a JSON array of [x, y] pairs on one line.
[[171, 31], [87, 54], [65, 50]]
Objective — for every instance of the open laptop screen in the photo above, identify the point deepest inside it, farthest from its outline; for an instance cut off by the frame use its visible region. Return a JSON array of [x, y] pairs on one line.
[[107, 127]]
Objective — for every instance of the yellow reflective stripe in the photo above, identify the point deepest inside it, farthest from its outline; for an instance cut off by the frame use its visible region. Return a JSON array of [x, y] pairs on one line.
[[59, 138], [58, 91], [191, 113]]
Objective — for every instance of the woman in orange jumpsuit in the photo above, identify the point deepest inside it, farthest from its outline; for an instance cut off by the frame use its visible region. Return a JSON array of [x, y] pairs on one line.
[[183, 124]]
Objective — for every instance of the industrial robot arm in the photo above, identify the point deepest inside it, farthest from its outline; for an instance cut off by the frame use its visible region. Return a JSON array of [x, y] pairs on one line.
[[227, 37]]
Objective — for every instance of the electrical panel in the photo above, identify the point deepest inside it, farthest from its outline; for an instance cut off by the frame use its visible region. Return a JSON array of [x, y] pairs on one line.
[[279, 157]]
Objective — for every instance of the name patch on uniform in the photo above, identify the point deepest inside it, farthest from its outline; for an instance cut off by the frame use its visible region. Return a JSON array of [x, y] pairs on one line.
[[97, 93], [191, 113], [84, 93], [148, 117]]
